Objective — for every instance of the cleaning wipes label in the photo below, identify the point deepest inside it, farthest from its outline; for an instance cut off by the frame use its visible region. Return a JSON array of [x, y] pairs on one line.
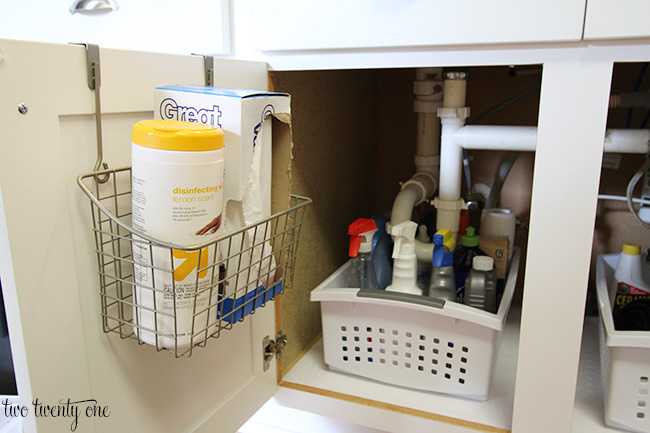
[[177, 199]]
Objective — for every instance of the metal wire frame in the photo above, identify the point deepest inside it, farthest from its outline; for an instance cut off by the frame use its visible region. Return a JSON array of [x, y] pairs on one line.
[[235, 273]]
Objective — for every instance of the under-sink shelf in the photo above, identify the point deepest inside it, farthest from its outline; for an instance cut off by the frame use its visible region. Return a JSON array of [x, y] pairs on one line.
[[310, 374]]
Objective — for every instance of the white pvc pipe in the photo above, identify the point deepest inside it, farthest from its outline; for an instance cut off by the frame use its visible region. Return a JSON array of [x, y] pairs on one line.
[[427, 155], [451, 154], [404, 202], [524, 138], [627, 140], [451, 160], [428, 98]]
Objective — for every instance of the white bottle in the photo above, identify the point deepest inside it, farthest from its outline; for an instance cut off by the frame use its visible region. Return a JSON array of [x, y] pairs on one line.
[[405, 263], [481, 285], [628, 278], [177, 189]]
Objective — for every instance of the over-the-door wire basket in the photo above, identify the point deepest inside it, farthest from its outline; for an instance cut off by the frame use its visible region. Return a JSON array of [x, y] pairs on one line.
[[235, 273]]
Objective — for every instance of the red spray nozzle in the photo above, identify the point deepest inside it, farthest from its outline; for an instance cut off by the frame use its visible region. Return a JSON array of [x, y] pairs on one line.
[[362, 228]]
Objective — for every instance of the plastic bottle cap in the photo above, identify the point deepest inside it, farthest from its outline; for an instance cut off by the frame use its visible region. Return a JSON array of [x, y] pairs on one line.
[[483, 263], [632, 249], [177, 135], [361, 233], [470, 239]]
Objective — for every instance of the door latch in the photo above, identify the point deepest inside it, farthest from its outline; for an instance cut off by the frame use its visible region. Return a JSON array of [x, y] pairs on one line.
[[273, 348]]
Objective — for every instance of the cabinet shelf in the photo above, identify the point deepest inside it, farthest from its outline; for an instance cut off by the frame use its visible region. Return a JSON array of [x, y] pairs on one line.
[[312, 375]]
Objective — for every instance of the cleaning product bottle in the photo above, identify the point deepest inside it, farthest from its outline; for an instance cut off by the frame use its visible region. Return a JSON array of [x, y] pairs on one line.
[[424, 268], [443, 284], [404, 259], [464, 255], [382, 251], [629, 291], [362, 271], [481, 285]]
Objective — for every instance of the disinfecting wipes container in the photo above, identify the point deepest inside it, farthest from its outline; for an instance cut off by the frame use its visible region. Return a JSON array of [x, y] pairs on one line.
[[177, 195]]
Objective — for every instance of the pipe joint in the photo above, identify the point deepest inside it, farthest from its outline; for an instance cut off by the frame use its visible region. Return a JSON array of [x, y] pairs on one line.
[[425, 182], [428, 89], [447, 214], [453, 115], [427, 164]]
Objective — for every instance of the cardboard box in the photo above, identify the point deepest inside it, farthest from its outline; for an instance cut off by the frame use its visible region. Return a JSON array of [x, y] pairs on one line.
[[245, 117], [257, 160], [496, 247]]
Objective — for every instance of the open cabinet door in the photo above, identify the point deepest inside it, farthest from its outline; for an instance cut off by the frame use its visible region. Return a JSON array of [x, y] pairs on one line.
[[48, 264]]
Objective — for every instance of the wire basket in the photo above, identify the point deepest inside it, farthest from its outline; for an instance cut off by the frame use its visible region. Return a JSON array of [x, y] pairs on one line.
[[230, 276]]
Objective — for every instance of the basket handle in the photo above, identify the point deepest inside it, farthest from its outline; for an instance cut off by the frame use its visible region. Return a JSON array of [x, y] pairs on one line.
[[401, 297]]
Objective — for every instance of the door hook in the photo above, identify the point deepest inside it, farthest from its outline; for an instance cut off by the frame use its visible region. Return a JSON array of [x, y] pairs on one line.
[[94, 83]]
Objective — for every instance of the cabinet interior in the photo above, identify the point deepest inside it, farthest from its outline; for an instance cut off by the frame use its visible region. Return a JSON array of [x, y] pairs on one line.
[[354, 134]]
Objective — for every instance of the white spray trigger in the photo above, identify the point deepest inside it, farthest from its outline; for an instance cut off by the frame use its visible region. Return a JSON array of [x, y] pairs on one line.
[[403, 232], [366, 241], [397, 245]]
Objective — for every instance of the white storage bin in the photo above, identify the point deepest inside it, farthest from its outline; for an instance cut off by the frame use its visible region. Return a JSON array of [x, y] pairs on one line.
[[624, 360], [409, 340]]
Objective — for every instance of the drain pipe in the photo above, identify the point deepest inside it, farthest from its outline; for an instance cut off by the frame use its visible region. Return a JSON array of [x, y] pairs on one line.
[[452, 114], [428, 90]]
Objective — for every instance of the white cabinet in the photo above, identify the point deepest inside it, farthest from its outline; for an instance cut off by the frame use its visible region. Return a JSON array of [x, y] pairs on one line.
[[340, 24], [607, 19], [191, 26]]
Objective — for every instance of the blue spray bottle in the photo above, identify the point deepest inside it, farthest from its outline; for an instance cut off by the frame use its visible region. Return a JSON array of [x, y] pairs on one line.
[[443, 283]]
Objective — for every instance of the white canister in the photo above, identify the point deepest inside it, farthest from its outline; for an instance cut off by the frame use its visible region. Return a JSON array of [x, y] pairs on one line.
[[177, 189], [499, 222]]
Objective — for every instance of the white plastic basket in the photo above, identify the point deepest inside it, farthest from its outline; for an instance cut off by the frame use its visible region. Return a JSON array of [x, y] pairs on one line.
[[412, 341], [624, 360]]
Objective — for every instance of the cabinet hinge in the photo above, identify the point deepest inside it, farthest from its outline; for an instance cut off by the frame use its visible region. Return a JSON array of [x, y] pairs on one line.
[[273, 348]]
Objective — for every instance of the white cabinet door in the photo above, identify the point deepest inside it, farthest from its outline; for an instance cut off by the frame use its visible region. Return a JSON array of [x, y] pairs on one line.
[[48, 265], [170, 26], [300, 25], [617, 19]]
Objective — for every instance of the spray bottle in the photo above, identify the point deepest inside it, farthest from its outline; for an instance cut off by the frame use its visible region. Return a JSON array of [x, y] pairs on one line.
[[464, 255], [362, 271], [443, 284], [424, 268], [405, 265]]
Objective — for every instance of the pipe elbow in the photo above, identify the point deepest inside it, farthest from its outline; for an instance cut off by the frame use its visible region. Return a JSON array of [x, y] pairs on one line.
[[424, 251], [414, 191]]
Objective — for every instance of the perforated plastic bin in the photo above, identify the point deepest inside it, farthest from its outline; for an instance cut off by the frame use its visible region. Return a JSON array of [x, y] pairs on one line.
[[624, 361], [412, 341]]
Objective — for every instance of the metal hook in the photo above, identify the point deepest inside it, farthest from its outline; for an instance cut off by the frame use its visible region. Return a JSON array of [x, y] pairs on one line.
[[94, 83], [208, 68]]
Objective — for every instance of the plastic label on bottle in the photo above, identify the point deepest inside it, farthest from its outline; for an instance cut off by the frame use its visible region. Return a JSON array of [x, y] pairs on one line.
[[626, 294]]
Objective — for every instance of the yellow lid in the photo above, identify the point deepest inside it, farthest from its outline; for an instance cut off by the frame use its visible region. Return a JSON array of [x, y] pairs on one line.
[[177, 135], [632, 249]]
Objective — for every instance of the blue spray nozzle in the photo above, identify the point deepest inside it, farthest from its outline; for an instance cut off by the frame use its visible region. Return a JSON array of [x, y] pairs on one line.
[[443, 243], [441, 257]]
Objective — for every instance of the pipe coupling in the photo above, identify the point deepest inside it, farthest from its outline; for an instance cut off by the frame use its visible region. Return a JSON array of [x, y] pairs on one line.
[[425, 182]]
